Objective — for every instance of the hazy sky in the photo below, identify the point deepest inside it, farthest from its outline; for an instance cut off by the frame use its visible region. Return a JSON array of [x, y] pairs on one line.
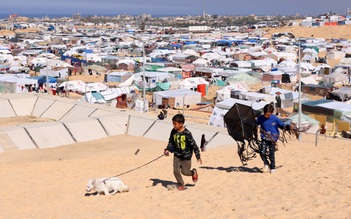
[[171, 7]]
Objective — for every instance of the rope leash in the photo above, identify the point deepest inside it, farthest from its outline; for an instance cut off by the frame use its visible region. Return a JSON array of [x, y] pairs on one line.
[[136, 167]]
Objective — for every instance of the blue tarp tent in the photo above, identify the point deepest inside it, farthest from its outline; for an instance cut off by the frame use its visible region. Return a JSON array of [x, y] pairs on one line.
[[88, 51], [189, 42], [42, 79]]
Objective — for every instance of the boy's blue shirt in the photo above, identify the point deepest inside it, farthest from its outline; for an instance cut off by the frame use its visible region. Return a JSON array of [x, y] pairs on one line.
[[270, 125]]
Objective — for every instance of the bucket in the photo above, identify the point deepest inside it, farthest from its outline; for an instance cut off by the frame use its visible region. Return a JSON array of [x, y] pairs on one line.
[[202, 89]]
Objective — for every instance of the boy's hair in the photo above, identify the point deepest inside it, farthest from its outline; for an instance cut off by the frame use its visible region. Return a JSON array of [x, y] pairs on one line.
[[178, 118], [268, 108]]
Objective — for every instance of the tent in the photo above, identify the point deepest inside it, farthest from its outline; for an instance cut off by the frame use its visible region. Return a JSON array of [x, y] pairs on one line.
[[42, 79], [344, 93], [191, 52], [151, 78], [118, 76], [97, 68], [59, 72], [95, 97], [176, 71], [287, 96], [333, 109], [107, 95], [96, 86], [77, 86], [176, 98], [336, 79], [306, 121], [221, 108], [201, 62], [225, 92], [242, 77], [16, 85], [321, 69], [210, 56], [309, 80], [192, 83], [252, 96]]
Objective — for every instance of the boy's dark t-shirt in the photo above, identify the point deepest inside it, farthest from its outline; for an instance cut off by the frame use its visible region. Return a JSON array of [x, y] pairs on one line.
[[182, 144]]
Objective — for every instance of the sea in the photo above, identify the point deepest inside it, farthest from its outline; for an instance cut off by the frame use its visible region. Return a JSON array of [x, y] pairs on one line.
[[58, 15]]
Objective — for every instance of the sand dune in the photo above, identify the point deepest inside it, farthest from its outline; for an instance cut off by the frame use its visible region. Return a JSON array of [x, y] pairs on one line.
[[311, 182], [326, 32]]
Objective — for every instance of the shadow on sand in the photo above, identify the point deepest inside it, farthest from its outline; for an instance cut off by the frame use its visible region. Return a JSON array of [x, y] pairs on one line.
[[236, 169], [166, 183]]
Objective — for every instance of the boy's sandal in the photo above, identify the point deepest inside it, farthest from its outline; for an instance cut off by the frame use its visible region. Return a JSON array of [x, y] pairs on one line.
[[181, 188], [195, 175]]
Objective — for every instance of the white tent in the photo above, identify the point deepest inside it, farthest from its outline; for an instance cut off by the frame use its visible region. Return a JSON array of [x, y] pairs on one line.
[[151, 78], [287, 63], [286, 56], [309, 80], [113, 93], [319, 67], [126, 61], [181, 97], [107, 95], [17, 84], [201, 62], [191, 52], [210, 56], [336, 79], [77, 85], [344, 93], [96, 86], [221, 108], [60, 72], [305, 67], [225, 92], [191, 83], [253, 96]]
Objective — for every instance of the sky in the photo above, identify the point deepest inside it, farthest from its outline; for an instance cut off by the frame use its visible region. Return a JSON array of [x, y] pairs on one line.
[[179, 7]]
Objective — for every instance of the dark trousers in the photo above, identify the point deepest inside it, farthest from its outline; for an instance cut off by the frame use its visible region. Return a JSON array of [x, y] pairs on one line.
[[181, 167], [268, 145]]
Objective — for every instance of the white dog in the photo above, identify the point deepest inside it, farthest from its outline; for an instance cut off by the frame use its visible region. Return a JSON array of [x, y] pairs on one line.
[[106, 185]]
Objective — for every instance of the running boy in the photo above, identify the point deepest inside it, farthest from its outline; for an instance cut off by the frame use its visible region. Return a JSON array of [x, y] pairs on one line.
[[270, 125], [182, 144]]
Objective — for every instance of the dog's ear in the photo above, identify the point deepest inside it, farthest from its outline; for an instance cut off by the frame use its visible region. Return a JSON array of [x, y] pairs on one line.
[[93, 182]]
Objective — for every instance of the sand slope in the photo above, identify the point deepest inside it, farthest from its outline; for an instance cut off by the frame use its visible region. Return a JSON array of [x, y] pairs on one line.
[[311, 182]]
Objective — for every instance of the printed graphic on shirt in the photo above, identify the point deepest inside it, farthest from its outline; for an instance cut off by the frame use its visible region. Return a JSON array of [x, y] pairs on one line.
[[179, 141]]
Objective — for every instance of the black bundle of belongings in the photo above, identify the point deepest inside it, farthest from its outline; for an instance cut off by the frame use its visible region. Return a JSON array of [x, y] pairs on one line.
[[162, 115], [345, 134]]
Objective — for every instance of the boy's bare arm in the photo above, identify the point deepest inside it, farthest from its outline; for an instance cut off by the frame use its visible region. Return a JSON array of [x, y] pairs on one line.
[[199, 161]]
